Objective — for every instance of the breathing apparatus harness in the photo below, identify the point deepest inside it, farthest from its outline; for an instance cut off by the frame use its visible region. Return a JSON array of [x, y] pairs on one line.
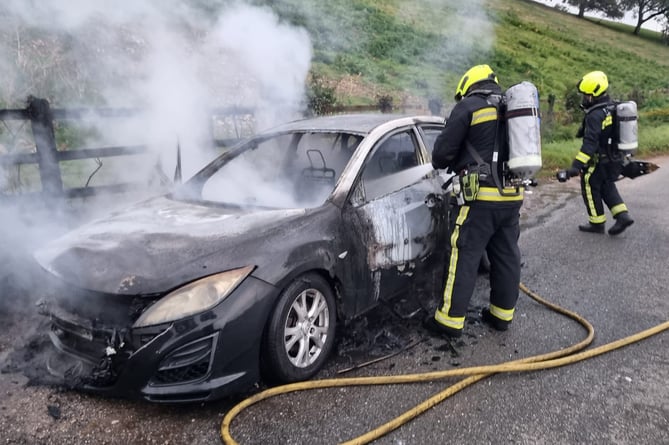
[[501, 149], [622, 144], [467, 183]]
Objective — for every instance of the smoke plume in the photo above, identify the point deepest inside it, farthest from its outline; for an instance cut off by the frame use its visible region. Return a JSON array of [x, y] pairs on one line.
[[172, 62]]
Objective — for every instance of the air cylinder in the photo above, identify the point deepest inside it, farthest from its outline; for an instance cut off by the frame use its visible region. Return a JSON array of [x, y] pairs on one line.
[[628, 139], [523, 129]]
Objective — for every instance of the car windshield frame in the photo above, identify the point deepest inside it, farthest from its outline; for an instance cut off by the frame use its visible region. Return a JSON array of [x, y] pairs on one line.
[[311, 162]]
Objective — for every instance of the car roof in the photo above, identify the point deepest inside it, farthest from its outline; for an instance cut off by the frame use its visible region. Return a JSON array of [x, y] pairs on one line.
[[362, 123]]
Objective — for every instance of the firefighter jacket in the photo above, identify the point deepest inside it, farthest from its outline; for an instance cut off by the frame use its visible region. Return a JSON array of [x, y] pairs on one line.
[[473, 121], [597, 131]]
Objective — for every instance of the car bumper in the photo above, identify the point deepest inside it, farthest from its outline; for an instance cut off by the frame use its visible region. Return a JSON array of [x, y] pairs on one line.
[[204, 357]]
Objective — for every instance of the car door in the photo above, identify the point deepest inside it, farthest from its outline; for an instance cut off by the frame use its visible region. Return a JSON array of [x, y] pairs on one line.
[[393, 229]]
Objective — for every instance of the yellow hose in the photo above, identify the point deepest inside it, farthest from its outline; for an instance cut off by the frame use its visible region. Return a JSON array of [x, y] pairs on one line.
[[544, 361]]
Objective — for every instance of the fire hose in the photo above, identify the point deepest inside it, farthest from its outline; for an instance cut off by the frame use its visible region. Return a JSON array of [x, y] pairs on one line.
[[549, 360]]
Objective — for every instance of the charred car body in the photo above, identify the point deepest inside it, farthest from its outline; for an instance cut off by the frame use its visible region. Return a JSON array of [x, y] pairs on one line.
[[243, 272]]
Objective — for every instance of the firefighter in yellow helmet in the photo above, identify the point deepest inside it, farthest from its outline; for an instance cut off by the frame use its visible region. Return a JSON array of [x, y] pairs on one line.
[[485, 223], [598, 163]]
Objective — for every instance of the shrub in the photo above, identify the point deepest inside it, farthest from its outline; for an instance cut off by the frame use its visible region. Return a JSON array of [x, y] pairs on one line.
[[385, 103], [321, 98]]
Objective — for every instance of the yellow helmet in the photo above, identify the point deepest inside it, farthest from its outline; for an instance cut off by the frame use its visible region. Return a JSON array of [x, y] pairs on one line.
[[474, 75], [594, 83]]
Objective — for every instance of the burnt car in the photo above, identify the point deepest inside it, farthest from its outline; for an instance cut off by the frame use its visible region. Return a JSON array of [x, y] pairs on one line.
[[243, 273]]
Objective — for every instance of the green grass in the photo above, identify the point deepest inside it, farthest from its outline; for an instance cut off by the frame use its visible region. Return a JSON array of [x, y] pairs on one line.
[[553, 49], [420, 49]]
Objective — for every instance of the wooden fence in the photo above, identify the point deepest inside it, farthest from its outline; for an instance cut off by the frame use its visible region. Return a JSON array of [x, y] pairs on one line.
[[47, 157]]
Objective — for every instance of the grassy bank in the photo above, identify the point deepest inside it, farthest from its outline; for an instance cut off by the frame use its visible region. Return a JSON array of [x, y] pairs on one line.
[[416, 52]]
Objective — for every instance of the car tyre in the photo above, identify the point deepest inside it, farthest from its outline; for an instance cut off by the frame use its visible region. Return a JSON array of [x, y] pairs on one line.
[[300, 334]]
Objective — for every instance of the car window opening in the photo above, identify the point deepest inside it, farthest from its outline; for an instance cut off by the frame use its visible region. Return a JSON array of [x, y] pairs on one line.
[[298, 170], [381, 175]]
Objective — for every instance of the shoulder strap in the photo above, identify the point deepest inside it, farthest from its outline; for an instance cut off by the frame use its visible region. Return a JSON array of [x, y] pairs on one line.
[[498, 101], [602, 105], [475, 154]]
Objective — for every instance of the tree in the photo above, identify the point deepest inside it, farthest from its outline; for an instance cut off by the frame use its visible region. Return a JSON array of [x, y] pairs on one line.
[[645, 10], [610, 8]]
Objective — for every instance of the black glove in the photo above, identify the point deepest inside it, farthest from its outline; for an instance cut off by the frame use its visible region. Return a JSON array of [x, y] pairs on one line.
[[573, 171], [564, 175]]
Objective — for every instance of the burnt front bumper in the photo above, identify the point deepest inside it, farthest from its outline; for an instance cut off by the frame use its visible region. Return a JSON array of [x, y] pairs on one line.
[[204, 357]]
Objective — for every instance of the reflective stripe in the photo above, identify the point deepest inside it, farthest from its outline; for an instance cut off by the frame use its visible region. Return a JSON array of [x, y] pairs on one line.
[[492, 194], [502, 314], [608, 120], [484, 115], [451, 322], [594, 218], [620, 208], [582, 157], [442, 314], [597, 219]]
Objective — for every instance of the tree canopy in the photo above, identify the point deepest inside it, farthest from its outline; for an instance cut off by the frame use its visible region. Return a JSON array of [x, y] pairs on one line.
[[643, 10]]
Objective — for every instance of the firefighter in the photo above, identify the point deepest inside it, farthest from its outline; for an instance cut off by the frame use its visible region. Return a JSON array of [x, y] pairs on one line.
[[480, 221], [598, 162]]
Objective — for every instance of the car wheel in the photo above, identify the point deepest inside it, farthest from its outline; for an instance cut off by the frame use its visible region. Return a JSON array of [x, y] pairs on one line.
[[301, 331]]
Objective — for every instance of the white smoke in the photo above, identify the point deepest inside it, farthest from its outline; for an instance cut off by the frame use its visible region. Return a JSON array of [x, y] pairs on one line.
[[175, 61], [277, 58], [466, 35], [167, 58]]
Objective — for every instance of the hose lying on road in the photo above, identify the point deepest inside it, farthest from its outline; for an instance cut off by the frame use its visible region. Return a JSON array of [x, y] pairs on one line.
[[544, 361]]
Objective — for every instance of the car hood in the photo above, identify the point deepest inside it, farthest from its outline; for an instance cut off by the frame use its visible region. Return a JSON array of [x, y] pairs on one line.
[[157, 245]]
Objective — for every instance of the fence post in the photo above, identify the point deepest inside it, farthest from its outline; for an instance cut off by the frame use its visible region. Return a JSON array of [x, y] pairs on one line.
[[41, 120]]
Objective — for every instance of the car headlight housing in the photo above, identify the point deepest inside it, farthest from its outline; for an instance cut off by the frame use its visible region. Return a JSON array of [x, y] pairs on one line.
[[193, 298]]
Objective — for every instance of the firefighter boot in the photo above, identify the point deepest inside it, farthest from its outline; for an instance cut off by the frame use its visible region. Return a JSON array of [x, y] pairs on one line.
[[497, 323], [435, 327], [592, 228], [623, 221]]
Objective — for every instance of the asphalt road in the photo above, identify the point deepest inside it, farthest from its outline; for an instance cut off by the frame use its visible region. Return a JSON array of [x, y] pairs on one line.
[[619, 284]]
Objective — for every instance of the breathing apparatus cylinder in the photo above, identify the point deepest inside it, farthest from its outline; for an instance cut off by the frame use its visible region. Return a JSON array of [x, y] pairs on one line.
[[523, 124], [628, 139]]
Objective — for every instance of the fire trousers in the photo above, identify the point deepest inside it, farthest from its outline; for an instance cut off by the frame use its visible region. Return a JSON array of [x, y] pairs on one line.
[[475, 229], [598, 187]]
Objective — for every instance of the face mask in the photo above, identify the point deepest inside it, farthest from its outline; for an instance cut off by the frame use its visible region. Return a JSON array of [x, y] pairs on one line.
[[586, 102]]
